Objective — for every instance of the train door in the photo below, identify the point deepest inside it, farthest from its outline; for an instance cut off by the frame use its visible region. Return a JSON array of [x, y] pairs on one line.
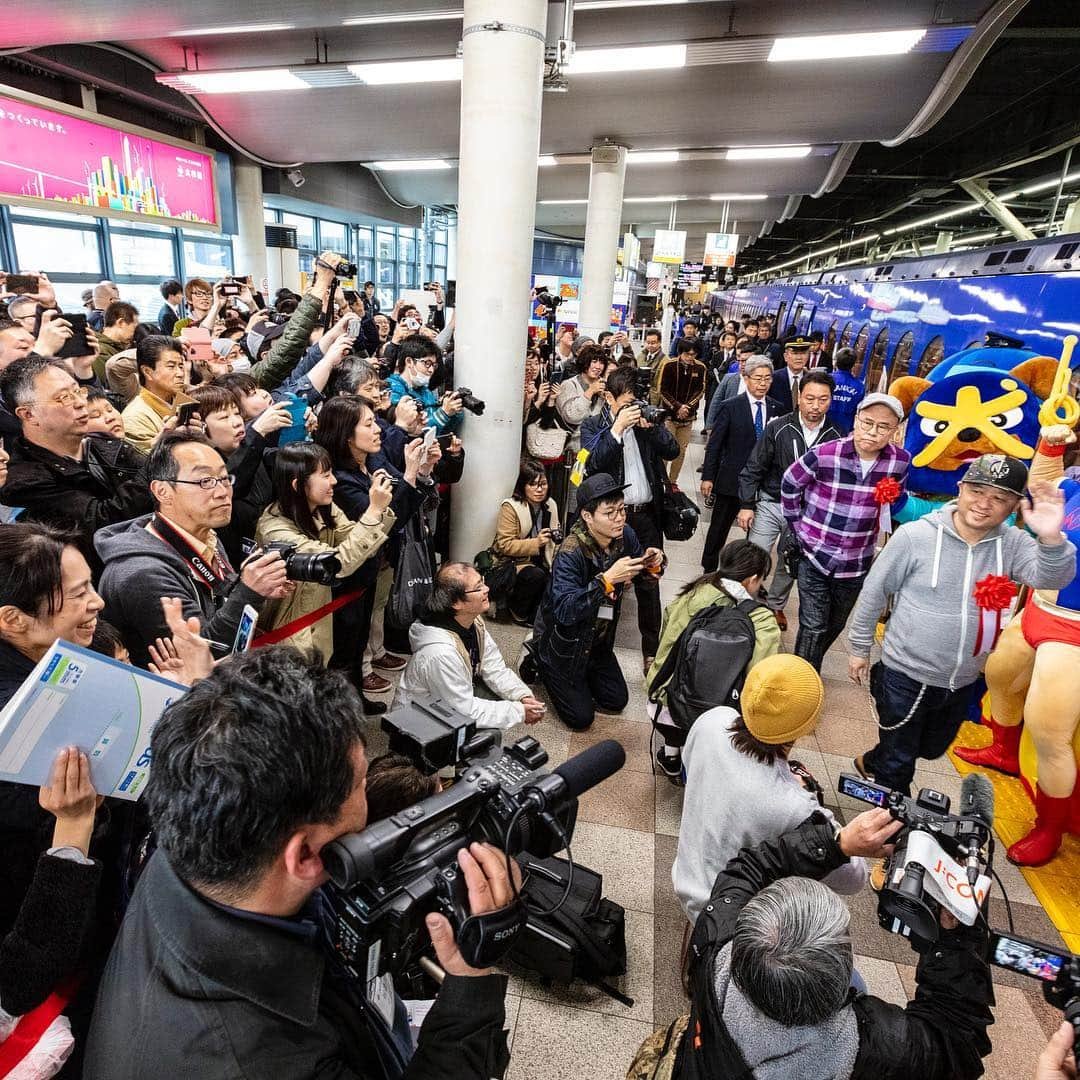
[[780, 316], [794, 324], [862, 339], [845, 337], [830, 338], [875, 372], [901, 359], [932, 355]]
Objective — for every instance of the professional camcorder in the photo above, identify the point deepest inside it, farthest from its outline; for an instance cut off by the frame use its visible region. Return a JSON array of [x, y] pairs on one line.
[[470, 401], [394, 873], [549, 300], [322, 567], [939, 859], [344, 269]]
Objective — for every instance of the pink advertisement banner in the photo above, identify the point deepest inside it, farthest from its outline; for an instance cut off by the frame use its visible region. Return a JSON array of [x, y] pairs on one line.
[[50, 155]]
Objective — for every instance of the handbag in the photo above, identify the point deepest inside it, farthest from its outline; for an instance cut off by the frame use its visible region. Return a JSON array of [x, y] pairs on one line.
[[546, 443], [499, 574], [680, 514], [414, 576]]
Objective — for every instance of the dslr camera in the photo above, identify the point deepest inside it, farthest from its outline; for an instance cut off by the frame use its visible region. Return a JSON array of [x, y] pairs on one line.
[[322, 567], [939, 860], [548, 299], [390, 876], [470, 401], [344, 269], [556, 536], [651, 414]]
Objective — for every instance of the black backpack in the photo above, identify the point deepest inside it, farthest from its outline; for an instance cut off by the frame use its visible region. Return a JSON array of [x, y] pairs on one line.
[[707, 667]]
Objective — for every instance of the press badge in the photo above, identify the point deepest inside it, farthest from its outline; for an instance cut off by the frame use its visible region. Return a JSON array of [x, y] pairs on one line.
[[606, 611]]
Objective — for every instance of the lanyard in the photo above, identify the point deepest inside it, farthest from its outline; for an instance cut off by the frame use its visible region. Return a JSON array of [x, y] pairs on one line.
[[201, 571]]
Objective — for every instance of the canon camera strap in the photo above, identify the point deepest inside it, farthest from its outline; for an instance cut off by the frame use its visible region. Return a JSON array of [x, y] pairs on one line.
[[201, 571]]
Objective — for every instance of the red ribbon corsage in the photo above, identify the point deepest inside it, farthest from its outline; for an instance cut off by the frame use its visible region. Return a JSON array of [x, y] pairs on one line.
[[886, 492], [993, 596]]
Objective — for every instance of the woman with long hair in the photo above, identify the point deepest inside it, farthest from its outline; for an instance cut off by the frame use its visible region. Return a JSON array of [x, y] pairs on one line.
[[304, 516], [741, 570]]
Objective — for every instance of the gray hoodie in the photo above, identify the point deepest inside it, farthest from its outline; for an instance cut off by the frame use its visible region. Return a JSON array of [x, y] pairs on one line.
[[931, 573]]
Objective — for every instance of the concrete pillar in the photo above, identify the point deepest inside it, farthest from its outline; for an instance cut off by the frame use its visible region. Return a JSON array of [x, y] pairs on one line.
[[451, 250], [603, 226], [249, 246], [501, 97]]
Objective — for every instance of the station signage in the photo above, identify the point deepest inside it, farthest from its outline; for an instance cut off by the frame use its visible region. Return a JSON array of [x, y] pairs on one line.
[[721, 249], [669, 246]]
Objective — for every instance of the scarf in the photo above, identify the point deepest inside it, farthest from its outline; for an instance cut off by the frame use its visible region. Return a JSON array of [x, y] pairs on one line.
[[468, 636]]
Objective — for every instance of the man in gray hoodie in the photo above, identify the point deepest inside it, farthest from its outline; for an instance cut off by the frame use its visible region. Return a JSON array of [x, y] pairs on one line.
[[937, 637]]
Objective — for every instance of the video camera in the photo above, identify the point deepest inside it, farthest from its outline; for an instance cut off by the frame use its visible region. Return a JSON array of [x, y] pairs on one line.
[[390, 876], [938, 857], [549, 300], [344, 269], [470, 401]]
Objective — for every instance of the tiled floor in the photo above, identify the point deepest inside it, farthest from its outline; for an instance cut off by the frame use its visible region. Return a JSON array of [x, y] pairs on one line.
[[627, 831]]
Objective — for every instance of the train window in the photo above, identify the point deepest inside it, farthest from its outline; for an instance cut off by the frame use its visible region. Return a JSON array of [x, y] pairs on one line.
[[932, 355], [995, 258], [796, 316], [861, 341], [830, 338], [780, 315], [875, 373], [845, 337], [1066, 251], [886, 271], [1017, 256], [901, 359]]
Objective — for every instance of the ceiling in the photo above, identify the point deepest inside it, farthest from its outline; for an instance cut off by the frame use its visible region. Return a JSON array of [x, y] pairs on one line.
[[726, 96]]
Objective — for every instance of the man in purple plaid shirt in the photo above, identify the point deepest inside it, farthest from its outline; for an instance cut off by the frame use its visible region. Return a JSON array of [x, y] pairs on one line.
[[827, 497]]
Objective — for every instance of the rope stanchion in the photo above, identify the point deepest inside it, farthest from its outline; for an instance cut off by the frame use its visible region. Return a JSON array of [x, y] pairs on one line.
[[281, 633]]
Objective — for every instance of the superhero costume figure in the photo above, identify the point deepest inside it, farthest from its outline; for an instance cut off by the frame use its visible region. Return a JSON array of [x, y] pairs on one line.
[[1033, 676]]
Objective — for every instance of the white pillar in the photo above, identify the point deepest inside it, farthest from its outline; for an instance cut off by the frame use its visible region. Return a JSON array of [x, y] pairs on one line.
[[249, 247], [603, 225], [451, 250], [501, 95]]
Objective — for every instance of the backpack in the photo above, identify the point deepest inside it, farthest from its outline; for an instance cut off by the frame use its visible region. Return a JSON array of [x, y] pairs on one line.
[[707, 667], [584, 939]]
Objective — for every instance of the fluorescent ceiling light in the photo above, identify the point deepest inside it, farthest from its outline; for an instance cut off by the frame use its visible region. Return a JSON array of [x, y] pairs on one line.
[[243, 82], [636, 58], [845, 46], [563, 202], [544, 160], [246, 28], [767, 153], [414, 165], [604, 5], [738, 198], [403, 17], [651, 157], [445, 69], [655, 198]]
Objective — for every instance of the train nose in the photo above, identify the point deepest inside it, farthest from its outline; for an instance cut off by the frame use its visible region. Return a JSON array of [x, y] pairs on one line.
[[969, 434]]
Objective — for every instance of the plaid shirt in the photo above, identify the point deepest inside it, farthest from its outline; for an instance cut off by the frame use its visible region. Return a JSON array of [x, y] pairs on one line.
[[830, 504]]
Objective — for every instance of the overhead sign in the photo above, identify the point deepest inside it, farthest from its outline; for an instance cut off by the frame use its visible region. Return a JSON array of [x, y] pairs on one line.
[[654, 269], [721, 248], [669, 245], [48, 157]]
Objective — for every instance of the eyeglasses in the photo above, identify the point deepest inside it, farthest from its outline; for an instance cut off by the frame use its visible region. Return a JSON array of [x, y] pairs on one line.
[[612, 514], [64, 399], [428, 362], [884, 428], [201, 294], [479, 588], [207, 483]]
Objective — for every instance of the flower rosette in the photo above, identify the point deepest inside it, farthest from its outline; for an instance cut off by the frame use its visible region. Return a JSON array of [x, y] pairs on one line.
[[886, 492], [993, 596]]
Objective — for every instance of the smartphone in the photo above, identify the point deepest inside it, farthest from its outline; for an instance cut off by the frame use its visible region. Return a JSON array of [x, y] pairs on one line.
[[76, 345], [245, 632], [229, 287], [352, 328], [247, 546], [185, 413], [429, 437], [443, 440], [198, 340], [1027, 957], [22, 283], [412, 324]]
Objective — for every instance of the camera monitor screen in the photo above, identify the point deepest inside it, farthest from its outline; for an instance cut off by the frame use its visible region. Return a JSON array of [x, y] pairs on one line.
[[1027, 958]]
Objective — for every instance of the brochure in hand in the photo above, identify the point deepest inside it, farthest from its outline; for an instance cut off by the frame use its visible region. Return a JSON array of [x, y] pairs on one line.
[[75, 697]]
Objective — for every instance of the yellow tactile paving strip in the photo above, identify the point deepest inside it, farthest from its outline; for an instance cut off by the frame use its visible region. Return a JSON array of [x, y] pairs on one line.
[[1057, 884]]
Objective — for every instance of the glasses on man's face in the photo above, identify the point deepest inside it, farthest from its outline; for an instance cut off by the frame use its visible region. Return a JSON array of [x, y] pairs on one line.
[[65, 399], [428, 362], [200, 294], [207, 483], [884, 428], [759, 380], [612, 513], [479, 589]]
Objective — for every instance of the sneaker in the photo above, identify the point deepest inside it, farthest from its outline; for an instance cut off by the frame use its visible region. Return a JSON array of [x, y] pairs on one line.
[[646, 663], [372, 707], [376, 684], [389, 662], [860, 768], [877, 875], [670, 764]]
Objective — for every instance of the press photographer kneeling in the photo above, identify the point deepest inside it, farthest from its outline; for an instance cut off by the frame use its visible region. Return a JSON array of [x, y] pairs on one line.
[[223, 965]]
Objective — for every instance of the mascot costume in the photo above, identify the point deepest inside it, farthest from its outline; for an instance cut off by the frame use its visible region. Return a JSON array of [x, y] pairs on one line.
[[1034, 673]]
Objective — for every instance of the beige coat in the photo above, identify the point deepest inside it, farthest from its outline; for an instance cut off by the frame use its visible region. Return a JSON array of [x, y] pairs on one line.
[[352, 541], [512, 540]]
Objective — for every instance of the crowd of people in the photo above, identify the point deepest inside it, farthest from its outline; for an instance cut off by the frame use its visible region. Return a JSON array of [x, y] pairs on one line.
[[296, 455]]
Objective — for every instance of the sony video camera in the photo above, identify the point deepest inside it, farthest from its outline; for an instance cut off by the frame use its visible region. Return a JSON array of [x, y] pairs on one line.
[[322, 566], [397, 871], [939, 859], [548, 299]]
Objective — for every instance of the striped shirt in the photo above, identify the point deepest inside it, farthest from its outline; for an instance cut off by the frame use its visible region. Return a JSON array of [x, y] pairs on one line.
[[830, 504]]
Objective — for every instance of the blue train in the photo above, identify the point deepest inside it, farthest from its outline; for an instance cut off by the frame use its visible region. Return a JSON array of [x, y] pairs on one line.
[[904, 317]]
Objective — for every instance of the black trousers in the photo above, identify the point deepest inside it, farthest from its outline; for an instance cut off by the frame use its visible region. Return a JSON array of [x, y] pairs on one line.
[[647, 587], [527, 591], [576, 700], [824, 606], [724, 512]]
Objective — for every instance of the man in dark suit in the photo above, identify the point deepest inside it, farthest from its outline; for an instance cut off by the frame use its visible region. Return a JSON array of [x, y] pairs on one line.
[[740, 422], [785, 387]]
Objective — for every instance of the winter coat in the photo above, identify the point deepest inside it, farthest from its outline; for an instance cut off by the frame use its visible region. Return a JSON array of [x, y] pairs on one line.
[[512, 539]]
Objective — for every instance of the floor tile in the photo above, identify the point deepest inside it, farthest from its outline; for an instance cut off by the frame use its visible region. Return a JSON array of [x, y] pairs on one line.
[[625, 859], [512, 1005], [881, 978], [845, 735], [846, 699], [556, 1042], [629, 804], [669, 804], [634, 737]]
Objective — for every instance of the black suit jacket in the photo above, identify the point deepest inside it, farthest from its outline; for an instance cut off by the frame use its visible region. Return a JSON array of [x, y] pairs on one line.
[[780, 390], [732, 439]]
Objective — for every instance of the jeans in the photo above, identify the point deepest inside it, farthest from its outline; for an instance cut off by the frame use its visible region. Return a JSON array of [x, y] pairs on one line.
[[647, 587], [576, 701], [824, 606], [914, 721], [768, 524]]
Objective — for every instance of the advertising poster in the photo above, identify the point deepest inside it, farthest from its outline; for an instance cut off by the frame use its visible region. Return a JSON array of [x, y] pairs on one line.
[[669, 245], [721, 249], [87, 166]]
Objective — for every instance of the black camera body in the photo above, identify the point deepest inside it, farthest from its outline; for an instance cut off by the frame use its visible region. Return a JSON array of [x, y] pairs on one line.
[[470, 401], [549, 300], [342, 270], [652, 414], [556, 536], [322, 566], [937, 858]]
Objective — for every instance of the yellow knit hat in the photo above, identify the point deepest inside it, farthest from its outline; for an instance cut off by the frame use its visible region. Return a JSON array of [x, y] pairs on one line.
[[782, 699]]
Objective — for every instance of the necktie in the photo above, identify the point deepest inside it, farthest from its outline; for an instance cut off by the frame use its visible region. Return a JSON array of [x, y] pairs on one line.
[[759, 420], [794, 387]]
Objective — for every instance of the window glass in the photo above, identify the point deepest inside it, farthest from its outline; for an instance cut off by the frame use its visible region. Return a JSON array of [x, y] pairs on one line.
[[365, 245], [861, 341], [385, 244], [306, 261], [932, 355], [207, 259], [901, 360], [270, 216], [386, 299], [146, 255], [830, 338], [875, 374], [386, 276], [305, 229], [409, 277], [38, 247], [69, 294], [407, 249], [845, 337], [50, 215], [147, 298], [440, 236], [438, 255], [334, 236], [364, 270]]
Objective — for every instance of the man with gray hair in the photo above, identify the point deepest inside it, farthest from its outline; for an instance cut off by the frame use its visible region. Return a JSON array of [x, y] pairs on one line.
[[105, 293], [772, 972]]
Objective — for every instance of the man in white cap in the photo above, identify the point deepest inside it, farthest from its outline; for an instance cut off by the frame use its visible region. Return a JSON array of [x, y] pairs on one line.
[[834, 499]]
